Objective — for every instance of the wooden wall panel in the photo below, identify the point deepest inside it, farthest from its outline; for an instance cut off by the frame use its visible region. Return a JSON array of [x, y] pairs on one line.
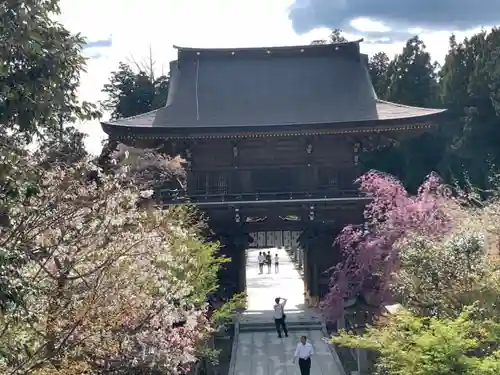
[[212, 153], [272, 164]]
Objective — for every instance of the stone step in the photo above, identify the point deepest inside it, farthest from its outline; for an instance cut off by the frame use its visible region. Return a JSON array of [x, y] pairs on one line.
[[271, 323], [267, 315], [263, 321], [290, 327]]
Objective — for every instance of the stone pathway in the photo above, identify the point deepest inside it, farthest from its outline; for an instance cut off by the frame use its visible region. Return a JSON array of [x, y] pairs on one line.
[[257, 350], [262, 289]]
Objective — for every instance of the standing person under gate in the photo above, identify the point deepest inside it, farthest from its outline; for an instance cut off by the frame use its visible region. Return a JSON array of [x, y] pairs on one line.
[[261, 260], [304, 352], [276, 263], [279, 316], [269, 261]]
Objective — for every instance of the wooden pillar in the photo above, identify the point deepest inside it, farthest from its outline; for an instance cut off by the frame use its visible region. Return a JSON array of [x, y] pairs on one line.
[[314, 276], [243, 273], [304, 241], [233, 245], [311, 274], [241, 242], [306, 274], [238, 262]]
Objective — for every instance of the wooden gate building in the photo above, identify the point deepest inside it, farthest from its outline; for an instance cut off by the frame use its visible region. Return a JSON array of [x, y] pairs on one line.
[[273, 137]]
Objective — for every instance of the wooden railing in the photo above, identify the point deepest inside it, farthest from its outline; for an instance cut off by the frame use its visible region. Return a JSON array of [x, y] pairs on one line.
[[180, 196]]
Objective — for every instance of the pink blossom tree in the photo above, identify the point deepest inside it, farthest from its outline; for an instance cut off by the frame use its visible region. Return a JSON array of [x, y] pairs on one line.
[[370, 252], [101, 282]]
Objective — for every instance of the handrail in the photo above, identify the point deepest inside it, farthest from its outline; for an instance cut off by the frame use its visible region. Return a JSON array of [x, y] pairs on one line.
[[180, 195]]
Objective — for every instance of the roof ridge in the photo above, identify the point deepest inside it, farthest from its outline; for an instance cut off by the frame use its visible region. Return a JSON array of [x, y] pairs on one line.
[[308, 46]]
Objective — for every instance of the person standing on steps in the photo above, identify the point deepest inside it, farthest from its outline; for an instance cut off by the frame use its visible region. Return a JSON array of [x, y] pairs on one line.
[[279, 316], [304, 352], [261, 260], [276, 263], [269, 261]]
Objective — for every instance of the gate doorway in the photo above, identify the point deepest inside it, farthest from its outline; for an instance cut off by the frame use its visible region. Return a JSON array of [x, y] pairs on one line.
[[278, 238]]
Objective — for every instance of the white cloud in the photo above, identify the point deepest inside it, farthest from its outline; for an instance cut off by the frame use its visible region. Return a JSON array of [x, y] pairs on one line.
[[137, 25], [368, 25]]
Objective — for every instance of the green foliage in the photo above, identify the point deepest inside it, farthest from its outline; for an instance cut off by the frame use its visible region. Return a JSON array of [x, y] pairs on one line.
[[64, 146], [449, 286], [469, 87], [40, 70], [334, 37], [440, 278], [378, 66], [132, 93], [412, 76], [225, 313], [408, 344]]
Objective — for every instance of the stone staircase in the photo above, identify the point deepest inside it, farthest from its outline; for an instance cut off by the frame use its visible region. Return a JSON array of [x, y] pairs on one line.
[[263, 321], [257, 350]]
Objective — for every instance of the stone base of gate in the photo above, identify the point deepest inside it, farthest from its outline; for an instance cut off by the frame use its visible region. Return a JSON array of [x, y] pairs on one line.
[[311, 301]]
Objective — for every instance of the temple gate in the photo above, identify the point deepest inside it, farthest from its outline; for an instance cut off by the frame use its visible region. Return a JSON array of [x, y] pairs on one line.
[[273, 139]]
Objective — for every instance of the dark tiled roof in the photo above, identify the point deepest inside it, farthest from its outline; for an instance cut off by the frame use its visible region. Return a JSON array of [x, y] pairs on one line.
[[270, 87]]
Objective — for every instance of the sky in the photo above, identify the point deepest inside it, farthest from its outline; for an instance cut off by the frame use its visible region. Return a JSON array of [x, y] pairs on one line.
[[121, 30]]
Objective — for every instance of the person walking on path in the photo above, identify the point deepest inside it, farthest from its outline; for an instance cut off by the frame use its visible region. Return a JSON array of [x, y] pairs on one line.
[[269, 261], [276, 264], [279, 316], [261, 260], [304, 352]]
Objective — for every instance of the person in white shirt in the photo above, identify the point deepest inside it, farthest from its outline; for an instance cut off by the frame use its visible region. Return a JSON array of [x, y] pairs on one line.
[[276, 263], [304, 352], [279, 316], [261, 260]]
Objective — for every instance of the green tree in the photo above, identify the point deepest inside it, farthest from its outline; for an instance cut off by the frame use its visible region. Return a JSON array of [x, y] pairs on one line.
[[132, 93], [334, 37], [449, 287], [412, 76], [378, 66], [102, 274], [409, 79], [40, 70], [408, 344], [470, 88], [65, 146], [77, 291], [440, 278]]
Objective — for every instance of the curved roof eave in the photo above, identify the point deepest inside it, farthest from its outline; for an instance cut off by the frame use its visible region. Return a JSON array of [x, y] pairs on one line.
[[373, 124]]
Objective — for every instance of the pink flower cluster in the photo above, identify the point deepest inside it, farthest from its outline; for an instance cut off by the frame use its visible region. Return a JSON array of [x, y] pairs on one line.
[[370, 252]]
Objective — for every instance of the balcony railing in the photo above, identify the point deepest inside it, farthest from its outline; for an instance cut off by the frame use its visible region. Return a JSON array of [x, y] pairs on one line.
[[180, 196]]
